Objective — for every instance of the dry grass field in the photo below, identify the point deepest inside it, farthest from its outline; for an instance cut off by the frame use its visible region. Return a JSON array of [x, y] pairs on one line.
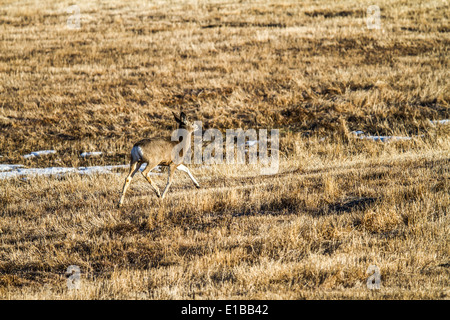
[[312, 69]]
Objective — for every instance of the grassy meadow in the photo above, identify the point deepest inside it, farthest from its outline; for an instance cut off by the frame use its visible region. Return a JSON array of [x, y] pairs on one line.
[[312, 69]]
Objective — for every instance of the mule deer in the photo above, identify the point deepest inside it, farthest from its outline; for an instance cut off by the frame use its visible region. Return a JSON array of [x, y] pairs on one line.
[[160, 151]]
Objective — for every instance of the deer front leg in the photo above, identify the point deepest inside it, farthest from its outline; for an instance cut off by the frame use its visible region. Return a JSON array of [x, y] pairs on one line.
[[182, 167], [169, 179], [146, 174]]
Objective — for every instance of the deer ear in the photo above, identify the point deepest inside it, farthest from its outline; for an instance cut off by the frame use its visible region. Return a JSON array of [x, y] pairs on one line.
[[183, 117], [176, 118]]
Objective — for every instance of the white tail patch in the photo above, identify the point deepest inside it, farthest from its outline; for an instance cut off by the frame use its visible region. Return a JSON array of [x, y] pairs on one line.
[[136, 153]]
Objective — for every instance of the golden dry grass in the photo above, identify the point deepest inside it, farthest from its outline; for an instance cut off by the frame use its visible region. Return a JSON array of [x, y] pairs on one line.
[[312, 70]]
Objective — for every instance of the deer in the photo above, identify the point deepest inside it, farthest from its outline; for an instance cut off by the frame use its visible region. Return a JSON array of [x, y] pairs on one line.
[[161, 152]]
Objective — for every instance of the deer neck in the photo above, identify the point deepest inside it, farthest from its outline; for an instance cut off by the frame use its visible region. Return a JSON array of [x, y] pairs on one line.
[[185, 143]]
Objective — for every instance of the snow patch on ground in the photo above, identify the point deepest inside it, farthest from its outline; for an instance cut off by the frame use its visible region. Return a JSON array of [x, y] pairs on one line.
[[8, 171], [91, 154], [443, 121], [360, 134], [39, 153], [8, 167]]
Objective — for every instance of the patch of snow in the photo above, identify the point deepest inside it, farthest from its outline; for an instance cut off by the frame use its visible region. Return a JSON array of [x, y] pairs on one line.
[[9, 167], [38, 153], [17, 170], [443, 121], [386, 138], [360, 134], [35, 171], [91, 154]]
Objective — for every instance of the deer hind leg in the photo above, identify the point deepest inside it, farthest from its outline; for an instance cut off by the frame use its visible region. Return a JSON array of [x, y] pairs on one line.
[[169, 179], [146, 174], [134, 167], [182, 167]]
